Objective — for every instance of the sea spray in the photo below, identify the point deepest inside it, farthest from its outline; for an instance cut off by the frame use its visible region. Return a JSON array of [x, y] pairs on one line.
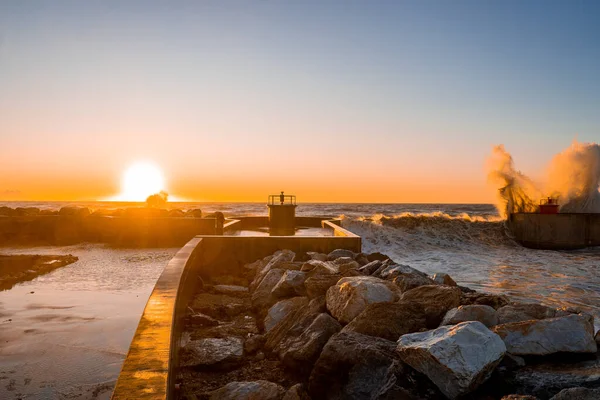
[[573, 176]]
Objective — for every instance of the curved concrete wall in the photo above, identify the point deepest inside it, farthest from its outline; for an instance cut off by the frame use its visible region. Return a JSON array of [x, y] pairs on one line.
[[562, 231]]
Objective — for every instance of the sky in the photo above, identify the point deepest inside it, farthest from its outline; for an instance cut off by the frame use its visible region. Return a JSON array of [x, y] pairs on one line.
[[334, 101]]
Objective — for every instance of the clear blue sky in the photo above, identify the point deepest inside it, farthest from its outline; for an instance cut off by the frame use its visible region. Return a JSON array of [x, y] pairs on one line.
[[409, 95]]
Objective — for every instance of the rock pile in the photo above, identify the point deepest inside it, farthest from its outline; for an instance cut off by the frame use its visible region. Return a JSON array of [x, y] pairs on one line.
[[359, 326]]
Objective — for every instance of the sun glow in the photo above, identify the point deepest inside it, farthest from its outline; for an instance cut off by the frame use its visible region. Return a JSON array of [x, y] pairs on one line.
[[140, 181]]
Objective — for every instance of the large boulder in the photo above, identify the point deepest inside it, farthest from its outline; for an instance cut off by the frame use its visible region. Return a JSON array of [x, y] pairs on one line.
[[262, 298], [317, 285], [345, 264], [388, 320], [355, 366], [74, 211], [279, 258], [258, 390], [290, 284], [578, 393], [213, 353], [296, 392], [313, 255], [493, 300], [571, 334], [316, 267], [231, 290], [517, 312], [335, 254], [350, 296], [484, 314], [370, 267], [456, 358], [436, 301], [281, 309], [410, 281], [441, 278], [302, 351]]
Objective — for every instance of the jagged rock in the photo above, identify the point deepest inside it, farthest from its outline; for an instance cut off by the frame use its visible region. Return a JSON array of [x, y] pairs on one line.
[[27, 211], [316, 267], [388, 320], [493, 300], [290, 284], [214, 353], [296, 392], [547, 379], [257, 390], [281, 309], [350, 296], [355, 366], [345, 264], [361, 259], [517, 312], [335, 254], [202, 320], [377, 256], [456, 358], [317, 285], [571, 334], [176, 214], [597, 338], [436, 301], [262, 298], [395, 270], [484, 314], [578, 393], [231, 290], [302, 352], [218, 306], [317, 256], [410, 281], [519, 397], [74, 211], [194, 213], [254, 343], [369, 268], [442, 278], [278, 258]]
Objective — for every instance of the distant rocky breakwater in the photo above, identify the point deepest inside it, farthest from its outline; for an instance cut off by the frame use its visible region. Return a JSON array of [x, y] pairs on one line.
[[360, 326], [131, 227]]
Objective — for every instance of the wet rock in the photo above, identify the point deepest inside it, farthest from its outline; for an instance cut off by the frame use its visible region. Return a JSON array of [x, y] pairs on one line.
[[361, 259], [405, 282], [519, 397], [484, 314], [296, 392], [317, 256], [377, 256], [290, 284], [355, 366], [231, 290], [369, 268], [572, 334], [316, 267], [456, 358], [435, 300], [279, 257], [74, 211], [202, 320], [214, 353], [218, 306], [345, 264], [254, 343], [547, 379], [317, 285], [335, 254], [350, 296], [281, 309], [388, 320], [263, 390], [493, 300], [394, 270], [262, 298], [302, 352], [517, 312], [578, 393], [442, 278]]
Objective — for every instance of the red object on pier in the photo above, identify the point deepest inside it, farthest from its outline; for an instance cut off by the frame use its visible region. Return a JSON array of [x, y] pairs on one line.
[[549, 206]]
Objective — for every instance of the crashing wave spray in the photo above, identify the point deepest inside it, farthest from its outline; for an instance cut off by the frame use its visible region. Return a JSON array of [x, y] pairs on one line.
[[573, 177]]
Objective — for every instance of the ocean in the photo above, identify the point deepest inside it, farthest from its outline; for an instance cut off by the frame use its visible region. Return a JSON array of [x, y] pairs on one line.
[[467, 241]]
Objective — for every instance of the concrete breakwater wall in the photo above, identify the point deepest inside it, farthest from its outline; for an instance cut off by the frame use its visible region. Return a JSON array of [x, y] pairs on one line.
[[561, 231]]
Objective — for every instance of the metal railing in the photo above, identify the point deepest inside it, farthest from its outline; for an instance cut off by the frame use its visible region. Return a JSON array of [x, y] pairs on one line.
[[282, 199]]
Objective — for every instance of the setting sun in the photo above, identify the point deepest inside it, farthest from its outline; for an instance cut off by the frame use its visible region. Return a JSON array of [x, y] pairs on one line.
[[141, 180]]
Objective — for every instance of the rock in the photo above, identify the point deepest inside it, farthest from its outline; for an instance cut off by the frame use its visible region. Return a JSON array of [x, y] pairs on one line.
[[335, 254], [317, 256], [547, 379], [578, 393], [456, 358], [405, 282], [279, 257], [262, 298], [296, 392], [486, 299], [517, 312], [218, 306], [7, 211], [442, 278], [316, 267], [27, 211], [302, 352], [572, 334], [317, 285], [257, 390], [597, 338], [254, 343], [395, 270], [202, 320], [388, 320], [231, 290], [355, 366], [484, 314], [519, 397], [290, 284], [74, 211], [350, 296], [213, 353], [435, 300], [369, 268], [194, 213], [345, 264], [361, 259], [176, 214], [281, 309], [377, 256]]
